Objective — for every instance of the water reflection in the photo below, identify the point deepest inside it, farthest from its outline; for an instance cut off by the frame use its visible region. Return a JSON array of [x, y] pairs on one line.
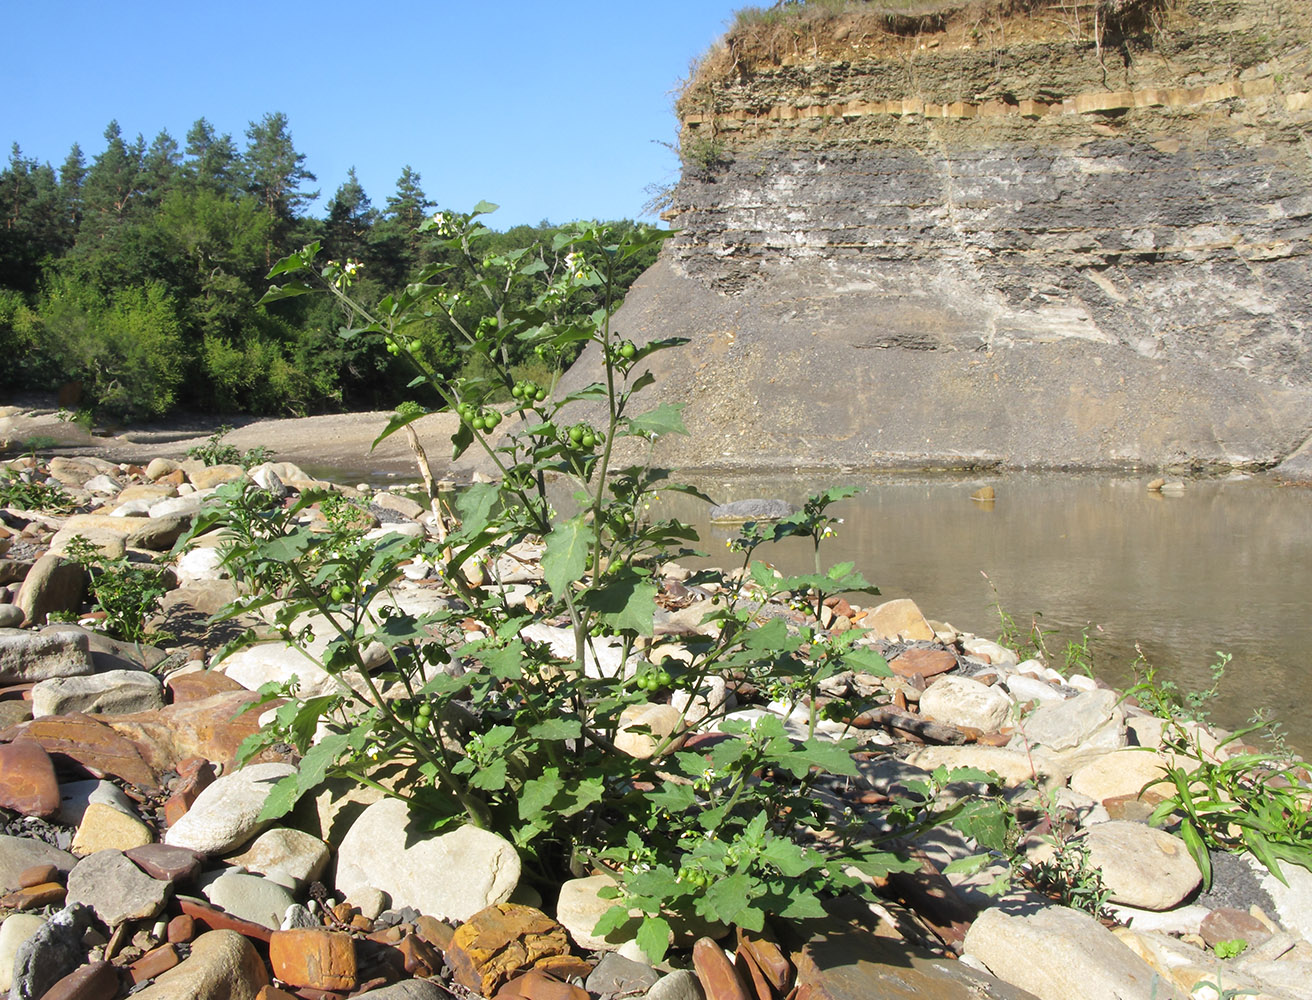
[[1223, 566]]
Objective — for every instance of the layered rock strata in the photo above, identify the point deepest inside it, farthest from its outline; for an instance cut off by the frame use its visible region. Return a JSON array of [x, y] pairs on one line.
[[996, 237]]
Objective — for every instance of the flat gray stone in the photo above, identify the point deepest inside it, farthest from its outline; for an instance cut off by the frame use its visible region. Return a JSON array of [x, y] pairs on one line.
[[1141, 865], [223, 817], [289, 857], [251, 897], [678, 985], [115, 888], [19, 853], [27, 657], [617, 974], [1058, 953], [751, 510], [1091, 718], [114, 692], [449, 876]]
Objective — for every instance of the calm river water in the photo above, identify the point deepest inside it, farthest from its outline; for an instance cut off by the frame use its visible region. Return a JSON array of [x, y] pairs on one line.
[[1226, 565]]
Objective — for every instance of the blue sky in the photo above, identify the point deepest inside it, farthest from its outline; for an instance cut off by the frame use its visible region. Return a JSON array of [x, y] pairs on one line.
[[552, 110]]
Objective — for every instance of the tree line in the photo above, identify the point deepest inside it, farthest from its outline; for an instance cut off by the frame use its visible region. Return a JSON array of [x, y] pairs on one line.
[[137, 276]]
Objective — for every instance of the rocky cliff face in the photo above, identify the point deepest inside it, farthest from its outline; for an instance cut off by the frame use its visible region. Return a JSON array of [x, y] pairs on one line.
[[992, 235]]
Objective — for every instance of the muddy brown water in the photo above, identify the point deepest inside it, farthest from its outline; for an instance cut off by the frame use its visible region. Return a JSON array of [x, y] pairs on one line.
[[1166, 579], [1224, 566]]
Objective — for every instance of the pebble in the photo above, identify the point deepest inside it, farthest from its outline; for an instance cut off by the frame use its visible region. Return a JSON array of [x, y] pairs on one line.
[[222, 965], [115, 888], [248, 897], [1142, 866], [963, 702], [113, 692], [448, 876], [104, 827], [27, 779], [1058, 952], [225, 815]]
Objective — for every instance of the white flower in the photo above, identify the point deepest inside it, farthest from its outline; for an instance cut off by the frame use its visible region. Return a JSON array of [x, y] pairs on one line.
[[352, 266]]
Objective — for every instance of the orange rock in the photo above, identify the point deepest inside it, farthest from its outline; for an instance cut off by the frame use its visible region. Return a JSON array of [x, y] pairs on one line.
[[502, 940], [925, 662], [539, 986], [27, 779], [719, 979], [313, 957], [153, 963]]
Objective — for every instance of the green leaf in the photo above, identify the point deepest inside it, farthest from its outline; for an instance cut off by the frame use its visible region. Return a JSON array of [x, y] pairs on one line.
[[287, 291], [557, 729], [865, 660], [665, 419], [483, 208], [729, 901], [625, 600], [654, 938], [475, 506], [318, 759], [790, 858], [403, 417], [490, 777], [566, 555], [968, 865], [538, 793], [282, 796]]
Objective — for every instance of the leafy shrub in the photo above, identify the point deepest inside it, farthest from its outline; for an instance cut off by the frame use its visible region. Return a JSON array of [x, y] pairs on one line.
[[522, 740], [126, 349], [127, 592]]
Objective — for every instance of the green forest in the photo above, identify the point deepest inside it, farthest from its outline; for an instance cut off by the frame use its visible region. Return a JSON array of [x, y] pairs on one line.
[[137, 275]]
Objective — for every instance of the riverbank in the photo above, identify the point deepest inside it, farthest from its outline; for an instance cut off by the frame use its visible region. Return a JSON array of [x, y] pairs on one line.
[[143, 731]]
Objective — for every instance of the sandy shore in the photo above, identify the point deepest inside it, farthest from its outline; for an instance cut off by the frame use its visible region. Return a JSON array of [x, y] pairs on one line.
[[340, 442]]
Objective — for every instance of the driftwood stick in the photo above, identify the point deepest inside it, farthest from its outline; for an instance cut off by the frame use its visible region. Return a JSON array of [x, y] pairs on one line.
[[430, 484]]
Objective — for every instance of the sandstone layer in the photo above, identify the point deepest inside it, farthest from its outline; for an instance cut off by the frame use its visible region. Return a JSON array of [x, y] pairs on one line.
[[993, 235]]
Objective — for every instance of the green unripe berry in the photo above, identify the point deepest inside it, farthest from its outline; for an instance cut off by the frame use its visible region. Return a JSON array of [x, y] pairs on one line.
[[478, 423]]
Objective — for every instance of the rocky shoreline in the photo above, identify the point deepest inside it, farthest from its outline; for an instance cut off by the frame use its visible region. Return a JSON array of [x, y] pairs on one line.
[[133, 860]]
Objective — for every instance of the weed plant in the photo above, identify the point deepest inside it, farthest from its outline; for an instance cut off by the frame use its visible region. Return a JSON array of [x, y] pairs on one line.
[[216, 451], [128, 593], [24, 494], [497, 730]]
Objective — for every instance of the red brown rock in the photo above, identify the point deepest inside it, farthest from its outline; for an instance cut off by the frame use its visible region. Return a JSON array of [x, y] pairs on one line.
[[537, 985], [155, 962], [39, 875], [769, 958], [165, 862], [217, 920], [94, 745], [195, 774], [34, 897], [273, 993], [27, 779], [1226, 923], [316, 958], [501, 941], [421, 958], [94, 981], [719, 979], [750, 973], [180, 929], [197, 685], [435, 932], [925, 662], [210, 728]]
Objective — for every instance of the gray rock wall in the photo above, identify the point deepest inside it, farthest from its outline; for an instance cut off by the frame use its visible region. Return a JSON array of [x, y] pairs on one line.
[[957, 250]]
